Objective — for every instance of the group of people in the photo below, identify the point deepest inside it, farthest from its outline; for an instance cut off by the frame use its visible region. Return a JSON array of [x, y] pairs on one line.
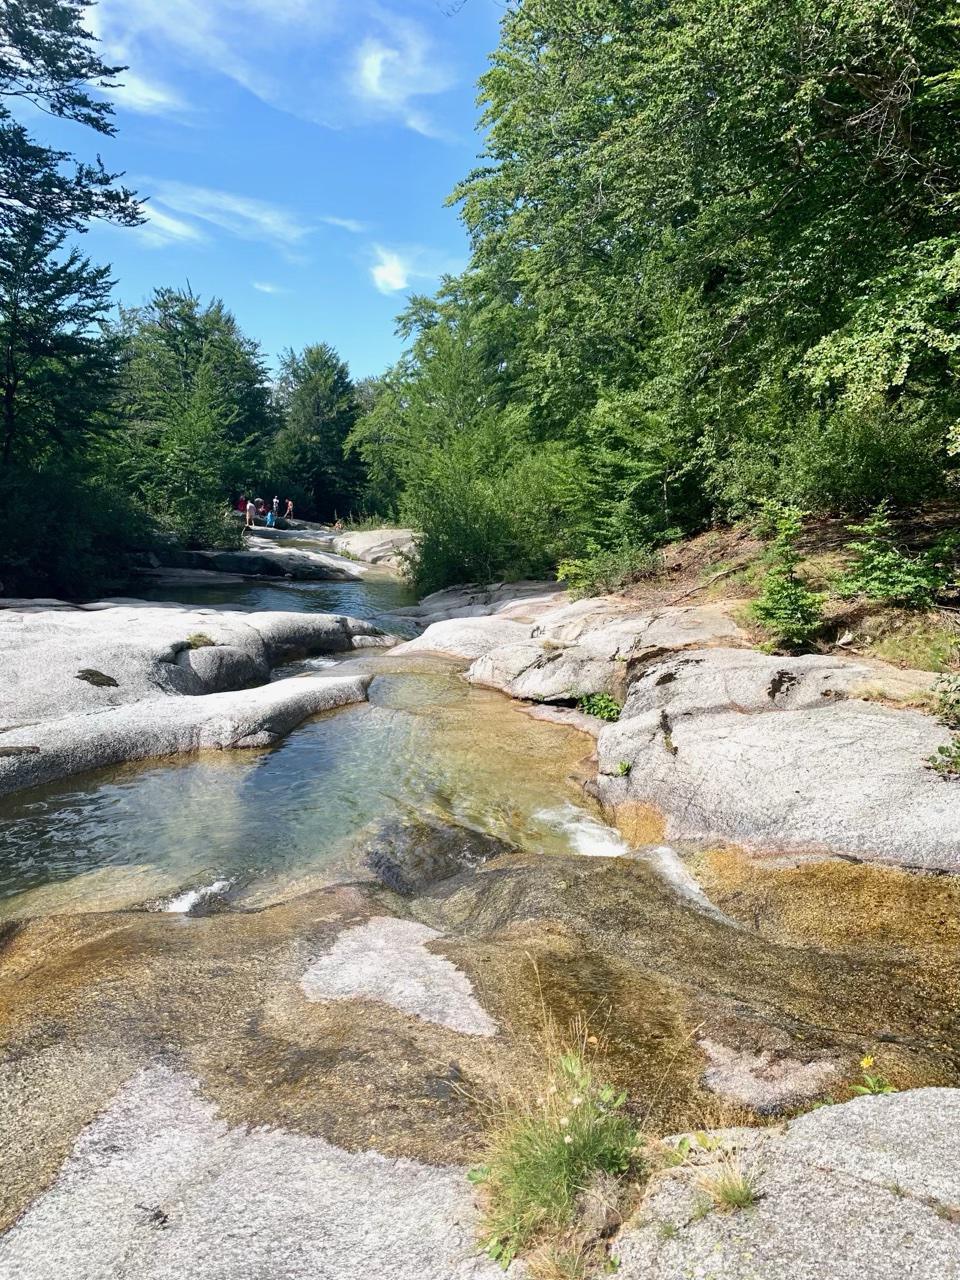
[[254, 509]]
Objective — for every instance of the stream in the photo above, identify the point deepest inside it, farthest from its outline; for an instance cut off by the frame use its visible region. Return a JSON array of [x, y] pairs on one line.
[[271, 823]]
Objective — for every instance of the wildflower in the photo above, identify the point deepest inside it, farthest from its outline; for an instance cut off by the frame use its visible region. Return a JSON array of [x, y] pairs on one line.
[[564, 1121], [568, 1140], [866, 1062], [576, 1100]]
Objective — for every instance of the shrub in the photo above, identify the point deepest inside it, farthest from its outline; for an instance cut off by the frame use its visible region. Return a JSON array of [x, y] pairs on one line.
[[947, 690], [882, 571], [946, 760], [786, 608], [607, 571], [600, 705], [543, 1152]]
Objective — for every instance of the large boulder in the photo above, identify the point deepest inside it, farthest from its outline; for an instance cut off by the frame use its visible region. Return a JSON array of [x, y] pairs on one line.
[[467, 637], [124, 680], [867, 1189], [774, 753], [154, 727]]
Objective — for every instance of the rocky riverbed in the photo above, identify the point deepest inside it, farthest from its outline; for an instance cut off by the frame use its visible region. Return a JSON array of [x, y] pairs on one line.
[[716, 881]]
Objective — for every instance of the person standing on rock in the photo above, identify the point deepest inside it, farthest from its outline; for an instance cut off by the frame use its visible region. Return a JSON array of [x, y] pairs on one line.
[[251, 513], [288, 513]]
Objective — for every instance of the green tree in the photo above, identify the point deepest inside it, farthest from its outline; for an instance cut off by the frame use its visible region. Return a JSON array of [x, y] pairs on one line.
[[319, 407], [50, 61], [197, 406], [57, 364]]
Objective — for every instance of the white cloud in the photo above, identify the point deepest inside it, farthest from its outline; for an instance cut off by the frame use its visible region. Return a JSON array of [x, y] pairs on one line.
[[391, 272], [264, 286], [243, 216], [391, 72], [162, 229], [334, 62]]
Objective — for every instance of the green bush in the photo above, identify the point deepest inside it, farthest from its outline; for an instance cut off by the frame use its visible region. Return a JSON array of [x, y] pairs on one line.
[[786, 608], [947, 690], [67, 533], [946, 759], [607, 571], [882, 571], [600, 705]]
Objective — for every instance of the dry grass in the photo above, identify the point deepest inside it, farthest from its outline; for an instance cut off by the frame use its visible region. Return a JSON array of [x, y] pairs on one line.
[[729, 1183]]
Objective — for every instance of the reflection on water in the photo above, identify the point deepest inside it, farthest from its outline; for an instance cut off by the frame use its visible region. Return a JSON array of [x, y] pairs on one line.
[[376, 595], [276, 820]]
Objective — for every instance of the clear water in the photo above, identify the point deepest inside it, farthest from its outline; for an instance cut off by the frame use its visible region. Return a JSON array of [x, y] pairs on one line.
[[275, 822], [372, 598]]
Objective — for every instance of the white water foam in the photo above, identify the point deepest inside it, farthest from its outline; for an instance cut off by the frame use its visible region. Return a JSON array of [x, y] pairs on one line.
[[187, 900], [588, 837], [594, 839]]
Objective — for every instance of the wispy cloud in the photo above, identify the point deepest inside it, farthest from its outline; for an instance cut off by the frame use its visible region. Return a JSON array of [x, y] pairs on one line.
[[148, 97], [346, 224], [264, 286], [162, 229], [243, 216], [394, 71], [334, 62]]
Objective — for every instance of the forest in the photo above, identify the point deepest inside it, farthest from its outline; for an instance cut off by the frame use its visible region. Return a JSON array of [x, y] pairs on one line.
[[714, 265]]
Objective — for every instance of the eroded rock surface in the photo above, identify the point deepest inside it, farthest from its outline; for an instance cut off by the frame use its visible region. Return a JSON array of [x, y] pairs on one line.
[[161, 1187], [869, 1188], [388, 960]]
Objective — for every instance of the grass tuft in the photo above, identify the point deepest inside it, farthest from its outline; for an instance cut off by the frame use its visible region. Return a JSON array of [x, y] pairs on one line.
[[729, 1185], [544, 1151], [199, 641]]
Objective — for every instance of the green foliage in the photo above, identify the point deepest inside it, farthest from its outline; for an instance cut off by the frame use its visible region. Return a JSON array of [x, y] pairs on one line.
[[600, 705], [198, 640], [543, 1152], [946, 759], [786, 608], [705, 308], [607, 571], [196, 402], [68, 531], [947, 690], [624, 769], [882, 571]]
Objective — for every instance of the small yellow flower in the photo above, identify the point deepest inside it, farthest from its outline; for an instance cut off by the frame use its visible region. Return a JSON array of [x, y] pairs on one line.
[[866, 1062]]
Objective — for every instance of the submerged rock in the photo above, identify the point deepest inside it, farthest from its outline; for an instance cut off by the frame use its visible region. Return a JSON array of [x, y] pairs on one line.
[[869, 1188], [407, 856]]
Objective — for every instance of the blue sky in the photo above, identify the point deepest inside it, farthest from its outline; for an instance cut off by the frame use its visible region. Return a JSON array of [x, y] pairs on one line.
[[297, 154]]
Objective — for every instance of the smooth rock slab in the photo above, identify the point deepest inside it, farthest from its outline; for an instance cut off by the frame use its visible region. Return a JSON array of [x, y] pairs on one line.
[[387, 960], [168, 726], [862, 1191], [160, 1188], [845, 778]]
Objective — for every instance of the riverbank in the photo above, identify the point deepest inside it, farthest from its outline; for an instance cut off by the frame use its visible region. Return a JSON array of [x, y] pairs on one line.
[[346, 1020]]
